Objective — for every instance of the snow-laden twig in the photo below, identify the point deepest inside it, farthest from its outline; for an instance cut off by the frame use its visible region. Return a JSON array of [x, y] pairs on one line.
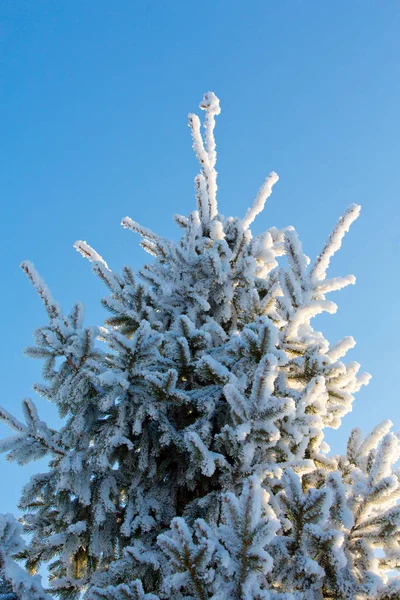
[[263, 194], [318, 272], [89, 253], [206, 182], [128, 223], [52, 307]]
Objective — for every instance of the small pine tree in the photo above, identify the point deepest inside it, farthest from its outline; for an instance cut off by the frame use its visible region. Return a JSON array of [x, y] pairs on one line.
[[192, 462]]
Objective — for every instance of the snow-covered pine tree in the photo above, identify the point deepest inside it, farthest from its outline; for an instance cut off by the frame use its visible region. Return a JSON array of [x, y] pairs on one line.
[[192, 462]]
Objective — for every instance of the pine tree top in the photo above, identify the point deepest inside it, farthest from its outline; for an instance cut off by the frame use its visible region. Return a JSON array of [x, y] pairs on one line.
[[192, 463]]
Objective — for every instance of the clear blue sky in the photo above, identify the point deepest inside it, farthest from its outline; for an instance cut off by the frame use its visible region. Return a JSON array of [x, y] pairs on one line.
[[94, 103]]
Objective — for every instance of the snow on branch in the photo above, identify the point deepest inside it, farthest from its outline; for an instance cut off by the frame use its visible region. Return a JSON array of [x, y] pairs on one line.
[[52, 307], [34, 439], [306, 313], [263, 194], [131, 591], [11, 421], [89, 253], [334, 284], [25, 586], [210, 104], [100, 267], [128, 223], [206, 182], [341, 348], [198, 144], [318, 272]]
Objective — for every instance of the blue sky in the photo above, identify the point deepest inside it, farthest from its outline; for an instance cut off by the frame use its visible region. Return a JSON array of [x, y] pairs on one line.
[[94, 106]]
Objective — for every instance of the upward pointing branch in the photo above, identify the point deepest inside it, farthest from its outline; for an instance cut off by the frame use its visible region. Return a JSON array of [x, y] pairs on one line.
[[263, 194], [207, 157], [210, 104], [318, 272]]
